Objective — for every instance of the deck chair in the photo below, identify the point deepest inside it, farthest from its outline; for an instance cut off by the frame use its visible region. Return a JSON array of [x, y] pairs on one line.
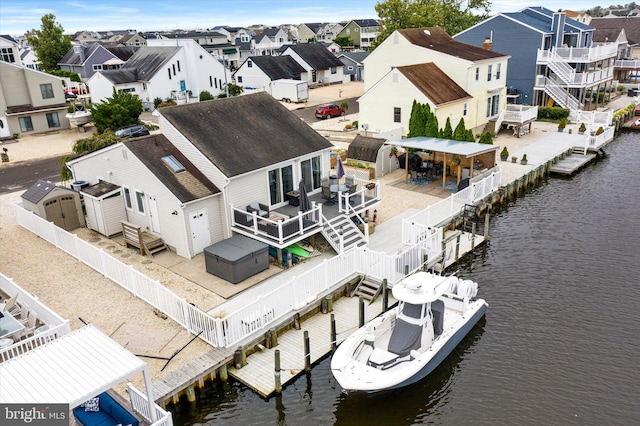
[[328, 195], [352, 190], [350, 180], [29, 329], [11, 306], [23, 317]]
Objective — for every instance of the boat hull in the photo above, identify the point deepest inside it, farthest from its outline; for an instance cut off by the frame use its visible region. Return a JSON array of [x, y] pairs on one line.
[[79, 119]]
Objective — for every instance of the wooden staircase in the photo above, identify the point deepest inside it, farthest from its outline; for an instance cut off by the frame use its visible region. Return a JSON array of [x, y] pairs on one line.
[[467, 217], [147, 243], [343, 227], [368, 288]]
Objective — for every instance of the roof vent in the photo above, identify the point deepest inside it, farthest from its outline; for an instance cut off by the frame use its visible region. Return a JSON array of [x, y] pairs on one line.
[[427, 32]]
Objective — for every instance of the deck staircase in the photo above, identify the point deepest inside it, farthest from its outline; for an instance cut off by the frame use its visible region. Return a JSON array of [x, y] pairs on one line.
[[368, 288], [343, 228], [146, 242], [561, 95]]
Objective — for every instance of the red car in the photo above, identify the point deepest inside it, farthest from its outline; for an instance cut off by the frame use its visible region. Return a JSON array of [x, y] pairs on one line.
[[328, 110]]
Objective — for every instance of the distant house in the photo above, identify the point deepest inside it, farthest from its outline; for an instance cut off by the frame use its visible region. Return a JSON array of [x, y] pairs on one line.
[[160, 189], [29, 59], [457, 80], [9, 50], [626, 31], [328, 32], [86, 59], [361, 32], [215, 42], [554, 59], [161, 70], [331, 46], [353, 64], [32, 101], [270, 41], [85, 36], [308, 32], [132, 40], [321, 65], [259, 71]]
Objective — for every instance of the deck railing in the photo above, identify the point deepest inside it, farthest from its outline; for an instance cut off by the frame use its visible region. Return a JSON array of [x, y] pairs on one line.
[[520, 113], [23, 346], [140, 405]]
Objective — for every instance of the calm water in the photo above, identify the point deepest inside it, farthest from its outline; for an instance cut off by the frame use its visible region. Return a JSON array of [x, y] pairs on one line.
[[560, 341]]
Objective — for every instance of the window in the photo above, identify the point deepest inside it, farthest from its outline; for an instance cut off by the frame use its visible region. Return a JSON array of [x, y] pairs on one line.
[[127, 90], [169, 70], [498, 72], [280, 182], [97, 67], [52, 119], [178, 63], [140, 202], [493, 105], [174, 69], [464, 111], [144, 86], [350, 68], [210, 81], [396, 114], [173, 164], [314, 76], [46, 90], [249, 64], [334, 70], [7, 55], [127, 197], [239, 79], [25, 124], [477, 74], [489, 73], [311, 173]]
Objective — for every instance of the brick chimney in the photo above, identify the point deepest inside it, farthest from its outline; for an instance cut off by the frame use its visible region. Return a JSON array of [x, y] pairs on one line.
[[487, 44]]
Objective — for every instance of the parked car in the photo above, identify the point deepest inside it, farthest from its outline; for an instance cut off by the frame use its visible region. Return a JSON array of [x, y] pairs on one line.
[[325, 111], [132, 131]]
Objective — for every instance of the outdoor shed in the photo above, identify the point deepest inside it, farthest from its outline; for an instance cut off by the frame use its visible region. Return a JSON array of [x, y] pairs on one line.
[[57, 204], [105, 209], [372, 151]]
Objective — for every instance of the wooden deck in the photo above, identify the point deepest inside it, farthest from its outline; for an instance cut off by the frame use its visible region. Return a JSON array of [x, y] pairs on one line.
[[571, 164]]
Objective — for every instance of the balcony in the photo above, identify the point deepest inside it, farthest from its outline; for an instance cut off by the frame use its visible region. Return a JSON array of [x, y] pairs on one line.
[[579, 54]]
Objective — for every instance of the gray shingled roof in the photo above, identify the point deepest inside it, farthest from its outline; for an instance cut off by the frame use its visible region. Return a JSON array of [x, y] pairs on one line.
[[74, 58], [363, 23], [437, 39], [277, 67], [365, 148], [355, 56], [189, 185], [39, 190], [142, 65], [631, 27], [316, 55], [245, 133]]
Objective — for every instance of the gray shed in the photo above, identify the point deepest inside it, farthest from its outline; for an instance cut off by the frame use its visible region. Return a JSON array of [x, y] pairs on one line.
[[371, 151], [105, 208], [57, 204]]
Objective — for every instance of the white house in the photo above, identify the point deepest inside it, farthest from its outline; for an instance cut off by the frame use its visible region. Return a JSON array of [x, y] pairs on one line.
[[478, 72], [258, 72], [165, 69], [321, 65], [270, 41], [9, 50], [161, 191]]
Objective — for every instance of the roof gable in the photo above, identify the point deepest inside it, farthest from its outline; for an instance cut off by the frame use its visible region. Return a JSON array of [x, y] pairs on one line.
[[365, 148], [316, 55], [245, 133], [631, 27], [277, 67], [39, 190], [188, 185], [438, 40], [432, 82]]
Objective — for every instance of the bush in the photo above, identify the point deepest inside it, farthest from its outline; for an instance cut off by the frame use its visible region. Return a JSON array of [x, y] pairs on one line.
[[355, 124], [166, 103], [504, 153], [486, 138], [205, 96], [620, 88], [562, 123], [552, 113], [156, 102]]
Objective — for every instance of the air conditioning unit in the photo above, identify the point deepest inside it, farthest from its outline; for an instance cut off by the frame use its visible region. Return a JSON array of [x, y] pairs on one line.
[[79, 185]]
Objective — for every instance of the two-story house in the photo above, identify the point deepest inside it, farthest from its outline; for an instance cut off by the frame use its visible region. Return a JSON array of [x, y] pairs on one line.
[[269, 41], [258, 72], [321, 65], [30, 101], [308, 32], [329, 32], [132, 40], [166, 69], [626, 31], [353, 64], [361, 32], [88, 58], [457, 80], [9, 50], [214, 42], [553, 61]]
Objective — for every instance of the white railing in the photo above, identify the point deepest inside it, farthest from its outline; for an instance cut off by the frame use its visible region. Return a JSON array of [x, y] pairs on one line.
[[628, 63], [560, 95], [591, 118], [445, 210], [580, 54], [140, 405], [520, 113], [34, 341], [562, 69], [147, 289], [594, 141]]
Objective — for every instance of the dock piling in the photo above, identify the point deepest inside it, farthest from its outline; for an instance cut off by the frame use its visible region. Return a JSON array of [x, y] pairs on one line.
[[307, 351], [224, 373], [277, 371], [385, 296], [333, 333], [274, 337], [361, 311]]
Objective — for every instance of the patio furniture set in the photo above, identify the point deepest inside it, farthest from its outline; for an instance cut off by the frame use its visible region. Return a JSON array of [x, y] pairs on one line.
[[17, 321], [331, 187]]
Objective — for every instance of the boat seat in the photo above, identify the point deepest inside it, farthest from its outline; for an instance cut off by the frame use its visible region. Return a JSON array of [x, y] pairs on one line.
[[380, 358], [404, 338], [437, 309]]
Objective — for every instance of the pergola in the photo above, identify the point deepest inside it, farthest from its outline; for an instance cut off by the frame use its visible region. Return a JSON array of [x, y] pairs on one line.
[[461, 149], [70, 370]]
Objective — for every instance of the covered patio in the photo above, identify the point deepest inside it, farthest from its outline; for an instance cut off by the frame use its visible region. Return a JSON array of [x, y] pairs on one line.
[[427, 160], [73, 369]]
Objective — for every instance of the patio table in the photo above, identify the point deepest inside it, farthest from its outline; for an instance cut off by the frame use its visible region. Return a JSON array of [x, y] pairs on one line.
[[338, 188], [9, 325]]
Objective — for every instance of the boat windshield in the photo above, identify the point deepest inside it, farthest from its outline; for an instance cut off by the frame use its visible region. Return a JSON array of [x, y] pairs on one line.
[[411, 310]]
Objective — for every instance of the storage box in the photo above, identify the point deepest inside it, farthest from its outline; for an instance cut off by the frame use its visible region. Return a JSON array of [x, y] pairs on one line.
[[236, 258]]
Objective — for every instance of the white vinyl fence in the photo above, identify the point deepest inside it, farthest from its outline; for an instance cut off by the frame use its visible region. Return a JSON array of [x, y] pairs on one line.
[[140, 405]]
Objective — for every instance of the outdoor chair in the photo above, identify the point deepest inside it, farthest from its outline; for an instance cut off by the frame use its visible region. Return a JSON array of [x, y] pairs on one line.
[[29, 329], [324, 181], [261, 210], [414, 176], [328, 195], [11, 306], [350, 180], [352, 190]]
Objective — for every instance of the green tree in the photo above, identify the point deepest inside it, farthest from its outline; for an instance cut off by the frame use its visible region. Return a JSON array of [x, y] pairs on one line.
[[460, 133], [431, 128], [486, 138], [121, 109], [49, 43], [470, 137], [234, 90], [452, 16], [342, 41], [417, 121], [85, 146], [447, 133]]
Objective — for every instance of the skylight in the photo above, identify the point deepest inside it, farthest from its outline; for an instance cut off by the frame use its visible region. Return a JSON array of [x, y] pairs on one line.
[[173, 163]]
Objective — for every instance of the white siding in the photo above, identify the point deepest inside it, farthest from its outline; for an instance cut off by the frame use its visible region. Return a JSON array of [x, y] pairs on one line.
[[252, 77]]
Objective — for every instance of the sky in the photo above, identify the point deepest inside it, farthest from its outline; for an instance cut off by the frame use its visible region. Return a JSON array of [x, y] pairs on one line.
[[19, 16]]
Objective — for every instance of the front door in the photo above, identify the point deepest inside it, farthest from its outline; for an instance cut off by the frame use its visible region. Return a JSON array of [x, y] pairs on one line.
[[199, 223], [4, 128], [153, 212]]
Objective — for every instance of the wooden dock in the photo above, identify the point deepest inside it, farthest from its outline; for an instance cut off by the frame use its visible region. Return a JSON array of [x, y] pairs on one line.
[[571, 164]]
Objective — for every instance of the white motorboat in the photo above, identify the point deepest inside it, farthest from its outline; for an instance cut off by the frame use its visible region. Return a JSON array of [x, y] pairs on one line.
[[406, 343], [79, 118]]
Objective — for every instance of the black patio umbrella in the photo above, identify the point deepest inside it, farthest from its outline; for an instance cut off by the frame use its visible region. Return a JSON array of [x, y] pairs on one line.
[[305, 204]]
